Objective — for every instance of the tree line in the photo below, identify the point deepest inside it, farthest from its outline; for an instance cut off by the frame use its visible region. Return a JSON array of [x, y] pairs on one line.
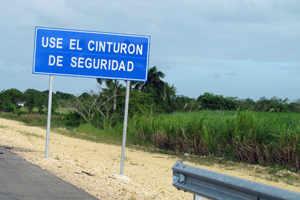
[[274, 104], [106, 107], [12, 100]]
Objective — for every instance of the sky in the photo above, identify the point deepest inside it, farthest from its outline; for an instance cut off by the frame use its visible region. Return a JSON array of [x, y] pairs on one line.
[[236, 48]]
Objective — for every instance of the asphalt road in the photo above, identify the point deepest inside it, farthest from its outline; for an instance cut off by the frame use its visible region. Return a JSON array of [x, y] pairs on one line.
[[21, 180]]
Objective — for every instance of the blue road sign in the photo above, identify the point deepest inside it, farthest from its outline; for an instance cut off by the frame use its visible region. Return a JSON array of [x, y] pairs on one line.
[[90, 54]]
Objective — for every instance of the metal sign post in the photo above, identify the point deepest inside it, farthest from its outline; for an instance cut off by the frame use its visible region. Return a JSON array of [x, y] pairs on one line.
[[49, 116], [125, 126]]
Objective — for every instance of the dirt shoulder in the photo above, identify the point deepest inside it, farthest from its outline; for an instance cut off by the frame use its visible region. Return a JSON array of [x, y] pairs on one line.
[[90, 166]]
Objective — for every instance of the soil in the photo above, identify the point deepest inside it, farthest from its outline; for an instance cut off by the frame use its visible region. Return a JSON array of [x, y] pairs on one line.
[[94, 167]]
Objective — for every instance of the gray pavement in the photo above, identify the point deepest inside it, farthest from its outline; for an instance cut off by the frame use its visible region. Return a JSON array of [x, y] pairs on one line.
[[21, 180]]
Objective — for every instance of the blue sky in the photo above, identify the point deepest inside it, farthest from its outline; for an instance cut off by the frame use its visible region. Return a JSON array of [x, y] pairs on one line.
[[239, 48]]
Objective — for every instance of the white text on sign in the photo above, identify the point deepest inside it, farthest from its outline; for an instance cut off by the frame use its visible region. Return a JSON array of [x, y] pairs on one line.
[[94, 46]]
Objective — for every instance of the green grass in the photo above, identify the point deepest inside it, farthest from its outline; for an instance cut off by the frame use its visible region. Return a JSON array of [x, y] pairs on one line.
[[228, 140], [255, 137], [64, 110], [91, 133], [31, 134], [35, 119]]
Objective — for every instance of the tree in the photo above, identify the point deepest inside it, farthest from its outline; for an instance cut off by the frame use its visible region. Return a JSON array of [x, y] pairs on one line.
[[13, 95], [169, 98], [35, 98], [136, 84], [154, 81], [154, 85], [113, 86], [140, 103], [246, 104], [294, 106], [214, 102], [54, 103], [60, 98], [207, 100], [62, 95], [183, 103], [9, 99], [85, 95], [87, 105]]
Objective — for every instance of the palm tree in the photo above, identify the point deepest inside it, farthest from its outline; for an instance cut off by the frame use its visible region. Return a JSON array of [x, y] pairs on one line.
[[154, 80], [112, 85], [136, 84], [169, 92]]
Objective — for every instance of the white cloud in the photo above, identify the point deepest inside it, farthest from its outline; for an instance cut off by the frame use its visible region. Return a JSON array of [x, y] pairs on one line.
[[193, 40]]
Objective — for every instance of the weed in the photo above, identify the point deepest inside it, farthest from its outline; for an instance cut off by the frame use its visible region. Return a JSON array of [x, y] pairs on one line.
[[31, 134], [253, 137]]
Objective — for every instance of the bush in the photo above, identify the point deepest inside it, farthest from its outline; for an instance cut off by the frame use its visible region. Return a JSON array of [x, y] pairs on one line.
[[10, 108], [73, 119]]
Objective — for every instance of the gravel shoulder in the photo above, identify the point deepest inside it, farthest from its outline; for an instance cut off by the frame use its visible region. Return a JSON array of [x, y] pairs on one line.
[[91, 166]]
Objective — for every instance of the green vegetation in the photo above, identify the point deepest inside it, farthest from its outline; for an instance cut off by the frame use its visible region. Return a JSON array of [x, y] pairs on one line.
[[91, 133], [35, 119], [261, 138], [254, 137], [264, 132], [31, 134]]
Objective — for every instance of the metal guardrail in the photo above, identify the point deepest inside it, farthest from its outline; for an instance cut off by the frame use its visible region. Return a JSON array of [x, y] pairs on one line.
[[213, 185]]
